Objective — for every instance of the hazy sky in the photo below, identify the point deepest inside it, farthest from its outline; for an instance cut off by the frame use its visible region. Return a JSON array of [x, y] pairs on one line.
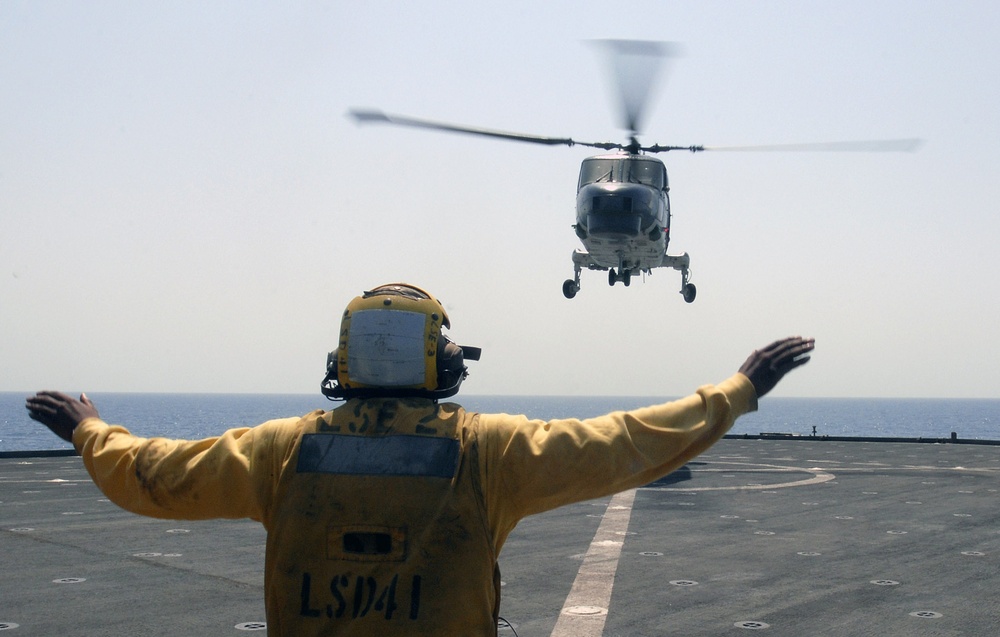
[[184, 205]]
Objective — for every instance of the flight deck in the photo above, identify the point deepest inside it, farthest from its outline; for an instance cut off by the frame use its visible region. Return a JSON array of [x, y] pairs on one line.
[[784, 537]]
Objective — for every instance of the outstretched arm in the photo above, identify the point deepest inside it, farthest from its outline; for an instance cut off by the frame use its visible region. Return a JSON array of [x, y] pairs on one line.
[[539, 465], [765, 367], [60, 412], [164, 478]]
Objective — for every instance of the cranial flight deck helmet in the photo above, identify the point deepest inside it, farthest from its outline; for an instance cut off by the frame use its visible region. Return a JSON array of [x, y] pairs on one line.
[[391, 345]]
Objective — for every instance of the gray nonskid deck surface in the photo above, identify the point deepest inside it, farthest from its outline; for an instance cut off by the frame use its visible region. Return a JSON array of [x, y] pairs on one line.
[[788, 538]]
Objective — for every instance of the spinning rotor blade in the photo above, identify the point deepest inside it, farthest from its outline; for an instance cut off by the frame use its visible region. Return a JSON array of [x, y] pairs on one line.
[[870, 146], [634, 66], [363, 116]]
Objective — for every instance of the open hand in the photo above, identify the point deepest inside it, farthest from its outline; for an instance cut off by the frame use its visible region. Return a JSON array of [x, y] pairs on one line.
[[60, 412], [765, 367]]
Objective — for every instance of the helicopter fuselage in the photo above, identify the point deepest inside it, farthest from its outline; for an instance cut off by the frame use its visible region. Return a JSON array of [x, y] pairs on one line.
[[622, 199], [623, 212], [622, 203]]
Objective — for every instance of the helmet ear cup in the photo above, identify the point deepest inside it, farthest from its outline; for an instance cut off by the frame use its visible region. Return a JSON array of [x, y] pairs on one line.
[[451, 367]]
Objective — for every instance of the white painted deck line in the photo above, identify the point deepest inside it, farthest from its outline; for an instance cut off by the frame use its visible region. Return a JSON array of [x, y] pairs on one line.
[[586, 606]]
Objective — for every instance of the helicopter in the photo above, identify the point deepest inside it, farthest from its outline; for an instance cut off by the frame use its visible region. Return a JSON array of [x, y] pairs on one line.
[[622, 198]]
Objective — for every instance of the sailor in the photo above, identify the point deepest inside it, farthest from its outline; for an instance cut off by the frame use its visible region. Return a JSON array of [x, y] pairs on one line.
[[386, 516]]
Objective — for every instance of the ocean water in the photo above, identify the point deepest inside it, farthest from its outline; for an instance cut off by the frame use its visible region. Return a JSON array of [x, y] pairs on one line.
[[204, 415]]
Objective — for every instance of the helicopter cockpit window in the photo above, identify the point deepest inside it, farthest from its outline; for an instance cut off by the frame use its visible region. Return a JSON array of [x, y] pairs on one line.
[[596, 170], [644, 172]]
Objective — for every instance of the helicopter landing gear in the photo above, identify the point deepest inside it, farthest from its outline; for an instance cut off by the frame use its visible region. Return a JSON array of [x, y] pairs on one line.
[[625, 276], [688, 291], [681, 263], [570, 288]]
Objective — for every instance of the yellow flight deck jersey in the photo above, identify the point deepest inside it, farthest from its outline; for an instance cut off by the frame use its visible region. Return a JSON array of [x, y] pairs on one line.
[[386, 516]]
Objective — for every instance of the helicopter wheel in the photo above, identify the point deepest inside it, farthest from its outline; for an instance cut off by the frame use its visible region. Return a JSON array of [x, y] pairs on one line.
[[611, 277], [570, 288], [689, 292], [626, 277]]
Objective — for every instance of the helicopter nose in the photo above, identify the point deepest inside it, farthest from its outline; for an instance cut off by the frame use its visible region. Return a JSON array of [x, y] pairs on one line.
[[616, 211], [613, 226], [612, 216], [611, 204]]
